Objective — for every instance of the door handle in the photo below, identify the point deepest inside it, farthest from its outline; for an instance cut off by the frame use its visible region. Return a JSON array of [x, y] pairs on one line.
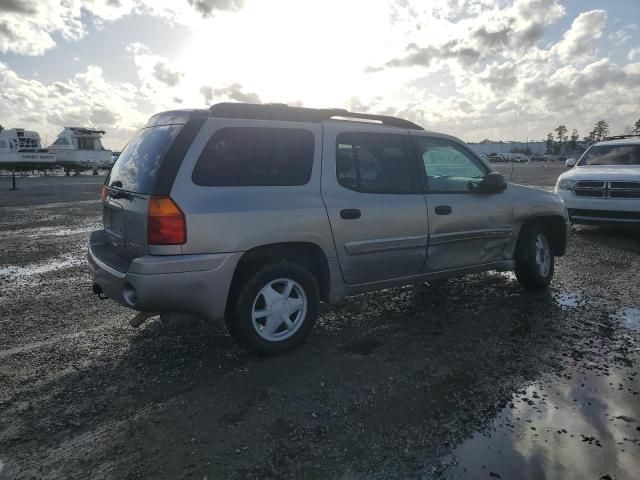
[[350, 213], [443, 210]]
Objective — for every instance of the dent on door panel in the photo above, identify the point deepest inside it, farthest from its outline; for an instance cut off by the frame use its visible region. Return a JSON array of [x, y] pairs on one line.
[[451, 245]]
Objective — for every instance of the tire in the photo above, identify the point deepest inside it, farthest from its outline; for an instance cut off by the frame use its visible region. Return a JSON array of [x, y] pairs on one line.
[[294, 313], [534, 258]]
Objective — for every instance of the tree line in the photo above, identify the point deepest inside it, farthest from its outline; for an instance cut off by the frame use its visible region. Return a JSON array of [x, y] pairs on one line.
[[563, 143]]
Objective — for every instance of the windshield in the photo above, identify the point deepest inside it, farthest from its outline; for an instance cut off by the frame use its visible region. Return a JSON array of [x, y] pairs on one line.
[[136, 168], [611, 155]]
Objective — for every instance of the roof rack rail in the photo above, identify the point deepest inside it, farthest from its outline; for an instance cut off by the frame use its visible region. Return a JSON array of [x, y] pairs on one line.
[[282, 112], [622, 137]]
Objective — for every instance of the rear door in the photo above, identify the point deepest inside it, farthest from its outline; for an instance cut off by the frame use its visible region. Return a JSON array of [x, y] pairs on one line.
[[130, 184], [466, 228], [376, 210]]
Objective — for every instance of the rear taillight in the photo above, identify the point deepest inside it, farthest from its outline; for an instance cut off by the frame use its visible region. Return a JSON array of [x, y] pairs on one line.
[[103, 193], [166, 224]]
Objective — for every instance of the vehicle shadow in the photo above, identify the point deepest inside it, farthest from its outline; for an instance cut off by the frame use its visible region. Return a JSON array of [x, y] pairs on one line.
[[389, 381]]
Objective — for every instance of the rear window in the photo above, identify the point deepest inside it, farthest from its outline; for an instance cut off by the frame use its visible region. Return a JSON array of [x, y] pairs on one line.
[[256, 156], [137, 166]]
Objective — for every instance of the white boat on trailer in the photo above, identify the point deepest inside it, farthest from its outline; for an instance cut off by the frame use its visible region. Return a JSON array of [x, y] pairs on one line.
[[79, 148], [20, 148]]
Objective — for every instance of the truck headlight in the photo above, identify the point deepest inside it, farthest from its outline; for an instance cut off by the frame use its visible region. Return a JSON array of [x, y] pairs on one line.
[[565, 184]]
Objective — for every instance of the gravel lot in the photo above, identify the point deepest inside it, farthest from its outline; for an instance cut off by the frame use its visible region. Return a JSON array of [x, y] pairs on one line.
[[474, 378]]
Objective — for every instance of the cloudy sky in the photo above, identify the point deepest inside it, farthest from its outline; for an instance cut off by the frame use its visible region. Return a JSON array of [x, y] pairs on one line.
[[459, 66]]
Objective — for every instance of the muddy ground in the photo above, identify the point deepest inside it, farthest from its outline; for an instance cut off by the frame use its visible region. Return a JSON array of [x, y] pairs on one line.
[[475, 378]]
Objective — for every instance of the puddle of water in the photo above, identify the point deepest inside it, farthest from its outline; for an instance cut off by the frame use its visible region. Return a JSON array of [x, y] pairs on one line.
[[630, 317], [37, 269], [584, 427], [567, 299]]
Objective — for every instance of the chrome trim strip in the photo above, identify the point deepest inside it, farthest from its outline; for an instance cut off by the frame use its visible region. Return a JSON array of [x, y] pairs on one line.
[[443, 238], [385, 244]]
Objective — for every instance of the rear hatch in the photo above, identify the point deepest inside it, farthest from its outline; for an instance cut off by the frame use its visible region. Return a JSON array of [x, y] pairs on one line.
[[140, 172]]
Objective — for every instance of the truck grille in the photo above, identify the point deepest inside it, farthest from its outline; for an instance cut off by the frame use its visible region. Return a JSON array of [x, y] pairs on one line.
[[602, 189], [591, 189], [624, 189]]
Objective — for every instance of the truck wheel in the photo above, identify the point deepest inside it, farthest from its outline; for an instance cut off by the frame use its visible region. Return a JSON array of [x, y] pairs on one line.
[[534, 258], [276, 308]]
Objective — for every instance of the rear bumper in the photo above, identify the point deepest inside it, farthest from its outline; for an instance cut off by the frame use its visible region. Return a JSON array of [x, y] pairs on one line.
[[196, 284], [601, 211]]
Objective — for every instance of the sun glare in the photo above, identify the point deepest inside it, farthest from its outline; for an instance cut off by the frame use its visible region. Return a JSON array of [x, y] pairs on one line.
[[292, 51]]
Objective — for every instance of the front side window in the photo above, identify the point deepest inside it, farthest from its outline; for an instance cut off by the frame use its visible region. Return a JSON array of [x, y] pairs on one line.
[[611, 155], [373, 163], [448, 166], [256, 156]]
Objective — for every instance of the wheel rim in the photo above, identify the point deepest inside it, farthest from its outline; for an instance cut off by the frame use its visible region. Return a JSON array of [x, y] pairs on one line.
[[543, 255], [279, 309]]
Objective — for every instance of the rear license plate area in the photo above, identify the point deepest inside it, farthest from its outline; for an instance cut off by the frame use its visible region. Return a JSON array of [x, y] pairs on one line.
[[114, 223]]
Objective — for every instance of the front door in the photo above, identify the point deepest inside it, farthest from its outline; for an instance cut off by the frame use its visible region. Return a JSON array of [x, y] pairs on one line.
[[466, 228], [376, 209]]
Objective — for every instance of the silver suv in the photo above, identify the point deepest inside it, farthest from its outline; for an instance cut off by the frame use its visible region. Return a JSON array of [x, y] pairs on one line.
[[256, 213]]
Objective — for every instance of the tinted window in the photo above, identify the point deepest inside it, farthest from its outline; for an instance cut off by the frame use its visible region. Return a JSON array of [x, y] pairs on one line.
[[612, 155], [3, 144], [373, 163], [449, 167], [255, 156], [137, 166], [61, 141]]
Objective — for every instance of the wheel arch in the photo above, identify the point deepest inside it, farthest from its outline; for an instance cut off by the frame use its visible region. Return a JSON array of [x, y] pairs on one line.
[[308, 254], [555, 225]]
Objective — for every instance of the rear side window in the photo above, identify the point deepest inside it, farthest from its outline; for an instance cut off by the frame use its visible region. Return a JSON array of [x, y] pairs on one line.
[[256, 156], [137, 166], [373, 163]]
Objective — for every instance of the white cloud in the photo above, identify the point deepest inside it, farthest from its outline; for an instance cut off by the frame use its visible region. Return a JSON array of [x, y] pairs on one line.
[[459, 66], [624, 35], [27, 30], [87, 99], [581, 37], [27, 26]]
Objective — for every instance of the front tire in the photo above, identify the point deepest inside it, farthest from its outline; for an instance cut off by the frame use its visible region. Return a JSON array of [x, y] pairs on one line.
[[534, 258], [276, 308]]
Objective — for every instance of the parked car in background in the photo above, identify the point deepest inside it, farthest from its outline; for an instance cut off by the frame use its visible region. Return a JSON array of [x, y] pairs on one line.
[[603, 187], [256, 213]]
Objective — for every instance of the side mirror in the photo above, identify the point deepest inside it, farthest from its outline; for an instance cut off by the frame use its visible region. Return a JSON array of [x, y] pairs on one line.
[[493, 182], [571, 162]]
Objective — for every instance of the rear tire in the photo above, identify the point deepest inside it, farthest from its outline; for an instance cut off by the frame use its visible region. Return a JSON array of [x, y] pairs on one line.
[[534, 258], [276, 308]]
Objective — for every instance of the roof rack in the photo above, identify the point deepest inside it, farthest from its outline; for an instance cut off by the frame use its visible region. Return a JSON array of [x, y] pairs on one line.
[[621, 137], [282, 112]]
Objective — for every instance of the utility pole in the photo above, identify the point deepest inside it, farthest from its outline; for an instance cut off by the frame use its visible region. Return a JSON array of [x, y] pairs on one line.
[[515, 119], [13, 179]]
